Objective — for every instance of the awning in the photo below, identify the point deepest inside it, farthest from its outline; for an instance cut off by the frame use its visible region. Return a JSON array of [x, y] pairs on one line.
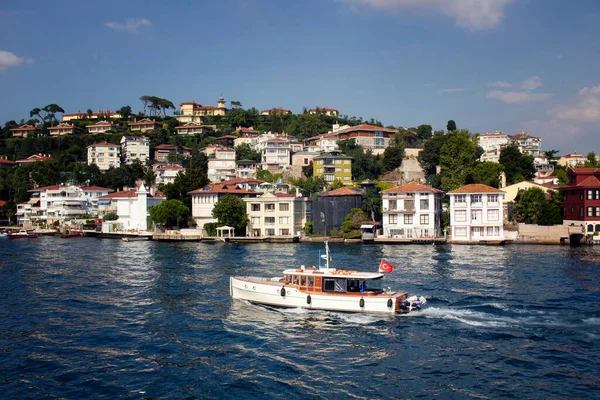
[[103, 202]]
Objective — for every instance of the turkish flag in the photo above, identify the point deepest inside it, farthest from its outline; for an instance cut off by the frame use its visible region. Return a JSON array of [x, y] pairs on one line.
[[385, 266]]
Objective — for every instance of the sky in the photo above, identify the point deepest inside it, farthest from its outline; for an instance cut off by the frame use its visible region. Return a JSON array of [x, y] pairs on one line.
[[489, 65]]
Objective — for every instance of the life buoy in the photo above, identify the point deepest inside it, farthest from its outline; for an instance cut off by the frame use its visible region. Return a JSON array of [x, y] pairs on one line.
[[308, 299], [282, 292], [361, 303], [390, 303]]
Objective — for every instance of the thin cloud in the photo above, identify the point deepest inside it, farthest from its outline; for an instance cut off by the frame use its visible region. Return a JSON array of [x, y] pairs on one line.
[[525, 95], [130, 25], [586, 109], [470, 14], [452, 90], [8, 60], [517, 97]]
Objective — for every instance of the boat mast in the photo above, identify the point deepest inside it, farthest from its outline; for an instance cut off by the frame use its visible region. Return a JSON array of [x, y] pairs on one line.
[[327, 254]]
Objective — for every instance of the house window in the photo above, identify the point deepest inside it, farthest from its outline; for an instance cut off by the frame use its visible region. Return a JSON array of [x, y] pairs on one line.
[[270, 232], [284, 232], [255, 220], [284, 220], [393, 204], [255, 207], [492, 231], [460, 231], [581, 195], [270, 220], [409, 233], [408, 219], [424, 219], [284, 207], [393, 219], [424, 204], [492, 198], [460, 198], [409, 204], [475, 198], [460, 216], [493, 215], [270, 207], [581, 211], [476, 215], [590, 194]]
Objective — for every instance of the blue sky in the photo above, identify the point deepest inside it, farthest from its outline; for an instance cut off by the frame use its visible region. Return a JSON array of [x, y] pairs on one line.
[[506, 65]]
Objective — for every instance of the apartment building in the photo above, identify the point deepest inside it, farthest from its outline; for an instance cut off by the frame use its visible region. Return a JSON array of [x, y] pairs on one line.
[[135, 148], [332, 166], [277, 214], [476, 214], [204, 200], [221, 164], [104, 155]]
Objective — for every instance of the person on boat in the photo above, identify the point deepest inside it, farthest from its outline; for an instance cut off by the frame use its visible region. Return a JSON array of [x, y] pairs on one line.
[[363, 286]]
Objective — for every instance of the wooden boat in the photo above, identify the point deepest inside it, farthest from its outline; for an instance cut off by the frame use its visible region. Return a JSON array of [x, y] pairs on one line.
[[324, 289], [22, 234]]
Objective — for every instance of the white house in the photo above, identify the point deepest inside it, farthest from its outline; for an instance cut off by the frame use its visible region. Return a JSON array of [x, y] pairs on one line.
[[135, 148], [133, 207], [104, 155], [412, 211], [476, 214], [221, 164], [278, 214], [167, 173], [204, 200], [492, 144]]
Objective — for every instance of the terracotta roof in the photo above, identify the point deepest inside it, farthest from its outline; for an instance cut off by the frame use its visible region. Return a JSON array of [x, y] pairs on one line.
[[7, 162], [191, 125], [34, 158], [170, 166], [237, 181], [103, 123], [166, 146], [591, 181], [104, 144], [582, 170], [61, 126], [279, 140], [96, 188], [343, 191], [2, 203], [44, 188], [366, 127], [476, 188], [222, 188], [25, 127], [549, 185], [280, 194], [412, 187], [227, 137], [144, 121]]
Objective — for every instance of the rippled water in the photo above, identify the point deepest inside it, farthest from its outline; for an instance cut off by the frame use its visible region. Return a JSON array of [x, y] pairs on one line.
[[93, 318]]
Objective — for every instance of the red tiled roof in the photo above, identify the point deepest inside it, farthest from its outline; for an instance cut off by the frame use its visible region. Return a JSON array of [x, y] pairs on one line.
[[2, 203], [227, 137], [343, 191], [61, 126], [95, 188], [144, 122], [412, 187], [170, 166], [476, 188], [103, 123], [549, 185], [34, 158], [104, 144], [591, 181], [5, 161], [44, 188], [237, 181], [582, 170], [366, 127], [191, 125], [277, 140], [222, 188], [25, 127]]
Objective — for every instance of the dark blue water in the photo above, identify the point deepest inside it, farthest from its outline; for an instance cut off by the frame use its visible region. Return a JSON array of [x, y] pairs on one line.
[[93, 318]]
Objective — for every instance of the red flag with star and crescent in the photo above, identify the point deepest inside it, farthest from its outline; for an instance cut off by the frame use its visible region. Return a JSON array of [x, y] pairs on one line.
[[385, 266]]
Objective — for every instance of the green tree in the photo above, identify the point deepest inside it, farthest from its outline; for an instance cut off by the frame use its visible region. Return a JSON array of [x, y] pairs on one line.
[[307, 125], [111, 216], [371, 203], [424, 131], [245, 152], [517, 166], [171, 213], [429, 157], [451, 126], [393, 156], [310, 186], [125, 112], [231, 211], [487, 173], [184, 183], [533, 207], [352, 222], [591, 161], [337, 184], [457, 160]]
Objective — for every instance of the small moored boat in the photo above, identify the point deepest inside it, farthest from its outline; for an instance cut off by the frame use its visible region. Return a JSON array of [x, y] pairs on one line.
[[324, 289], [22, 234], [134, 238]]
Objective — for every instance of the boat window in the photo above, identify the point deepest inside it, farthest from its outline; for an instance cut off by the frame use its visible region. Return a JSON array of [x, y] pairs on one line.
[[303, 280], [288, 279], [353, 285], [295, 279], [311, 280], [334, 285]]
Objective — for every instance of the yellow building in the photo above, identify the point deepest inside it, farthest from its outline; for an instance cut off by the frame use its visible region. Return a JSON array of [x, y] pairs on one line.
[[192, 112], [332, 166], [332, 112]]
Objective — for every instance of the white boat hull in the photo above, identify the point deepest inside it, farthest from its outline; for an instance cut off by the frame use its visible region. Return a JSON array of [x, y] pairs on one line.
[[264, 291]]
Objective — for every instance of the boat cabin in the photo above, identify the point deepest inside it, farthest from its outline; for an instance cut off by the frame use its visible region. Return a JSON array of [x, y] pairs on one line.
[[331, 281]]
